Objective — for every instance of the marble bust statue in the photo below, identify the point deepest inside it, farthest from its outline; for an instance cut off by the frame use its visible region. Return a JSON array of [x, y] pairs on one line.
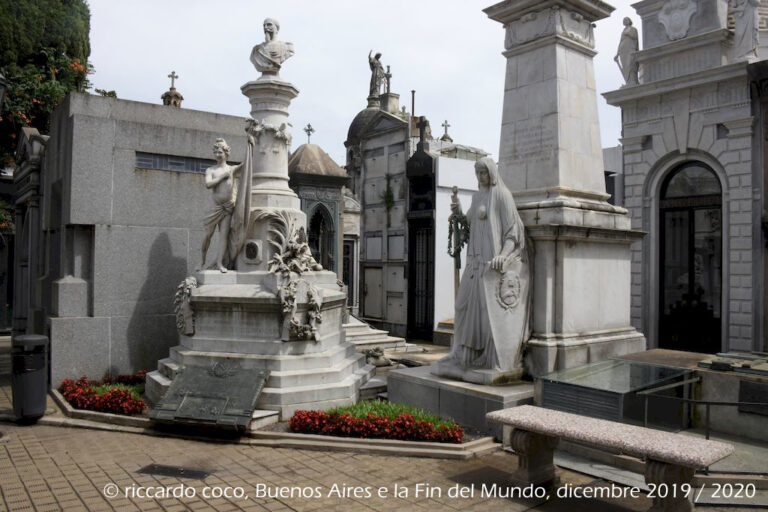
[[269, 56]]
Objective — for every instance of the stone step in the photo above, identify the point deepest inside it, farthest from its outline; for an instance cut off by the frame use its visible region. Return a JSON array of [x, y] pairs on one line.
[[370, 334], [271, 397], [156, 386], [383, 343], [261, 418], [168, 367], [287, 408], [316, 377], [261, 347], [356, 328], [329, 358]]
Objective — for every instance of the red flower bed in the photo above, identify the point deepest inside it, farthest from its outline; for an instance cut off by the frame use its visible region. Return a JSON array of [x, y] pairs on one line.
[[403, 427], [81, 395]]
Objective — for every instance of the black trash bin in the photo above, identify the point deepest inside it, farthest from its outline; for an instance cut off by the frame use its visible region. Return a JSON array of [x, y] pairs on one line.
[[29, 376]]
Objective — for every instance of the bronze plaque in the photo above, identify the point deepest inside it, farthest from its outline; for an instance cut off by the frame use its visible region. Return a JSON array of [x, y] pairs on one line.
[[222, 395]]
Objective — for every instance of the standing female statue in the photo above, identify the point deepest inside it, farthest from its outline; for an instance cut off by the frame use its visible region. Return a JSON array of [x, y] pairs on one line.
[[625, 54], [377, 74], [746, 23], [491, 320]]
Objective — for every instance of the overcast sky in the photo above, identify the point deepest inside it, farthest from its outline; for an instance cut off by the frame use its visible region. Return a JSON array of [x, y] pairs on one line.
[[449, 51]]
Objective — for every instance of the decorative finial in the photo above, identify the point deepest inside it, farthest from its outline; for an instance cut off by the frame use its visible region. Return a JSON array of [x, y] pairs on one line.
[[173, 76], [388, 76], [309, 131]]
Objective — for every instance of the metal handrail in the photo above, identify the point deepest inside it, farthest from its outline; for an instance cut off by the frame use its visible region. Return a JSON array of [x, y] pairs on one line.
[[707, 403]]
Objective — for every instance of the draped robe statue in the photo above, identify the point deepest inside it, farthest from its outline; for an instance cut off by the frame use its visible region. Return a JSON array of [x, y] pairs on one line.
[[746, 24], [493, 303], [625, 54]]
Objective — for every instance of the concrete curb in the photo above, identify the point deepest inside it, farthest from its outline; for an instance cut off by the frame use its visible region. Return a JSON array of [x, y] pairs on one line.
[[78, 418], [476, 448], [103, 417]]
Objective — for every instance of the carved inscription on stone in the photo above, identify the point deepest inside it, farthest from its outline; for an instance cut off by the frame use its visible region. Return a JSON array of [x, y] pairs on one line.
[[533, 144]]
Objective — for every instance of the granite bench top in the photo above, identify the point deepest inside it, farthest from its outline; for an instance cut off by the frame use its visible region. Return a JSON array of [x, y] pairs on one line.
[[627, 439]]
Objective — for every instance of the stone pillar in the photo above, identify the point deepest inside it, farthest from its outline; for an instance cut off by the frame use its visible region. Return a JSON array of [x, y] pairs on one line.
[[270, 98], [550, 135], [551, 159]]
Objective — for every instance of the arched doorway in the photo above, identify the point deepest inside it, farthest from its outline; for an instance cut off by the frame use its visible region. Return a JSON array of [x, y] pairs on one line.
[[691, 259], [320, 237]]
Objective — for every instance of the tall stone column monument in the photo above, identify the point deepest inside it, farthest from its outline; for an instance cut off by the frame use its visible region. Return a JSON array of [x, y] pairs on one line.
[[266, 310], [550, 158]]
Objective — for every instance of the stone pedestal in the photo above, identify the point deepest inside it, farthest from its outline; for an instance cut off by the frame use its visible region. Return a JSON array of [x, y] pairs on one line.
[[551, 159], [270, 99], [238, 318], [464, 402]]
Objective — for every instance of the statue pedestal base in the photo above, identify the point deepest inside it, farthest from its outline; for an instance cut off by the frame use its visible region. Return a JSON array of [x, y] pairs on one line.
[[466, 403], [581, 285], [475, 375], [238, 321]]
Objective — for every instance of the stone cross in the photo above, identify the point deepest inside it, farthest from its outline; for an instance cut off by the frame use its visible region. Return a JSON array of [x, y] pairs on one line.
[[309, 131], [388, 76], [422, 124], [173, 76], [446, 126]]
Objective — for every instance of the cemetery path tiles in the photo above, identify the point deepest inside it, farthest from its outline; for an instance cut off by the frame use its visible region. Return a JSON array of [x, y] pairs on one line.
[[46, 468], [54, 468]]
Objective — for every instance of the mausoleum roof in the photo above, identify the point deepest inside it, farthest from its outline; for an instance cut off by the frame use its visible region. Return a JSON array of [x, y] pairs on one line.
[[311, 159], [359, 123]]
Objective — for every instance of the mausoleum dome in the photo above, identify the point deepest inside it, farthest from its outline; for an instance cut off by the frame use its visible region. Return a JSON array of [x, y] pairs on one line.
[[360, 121], [311, 159]]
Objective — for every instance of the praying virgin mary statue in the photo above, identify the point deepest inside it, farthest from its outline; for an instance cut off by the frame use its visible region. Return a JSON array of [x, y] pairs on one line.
[[492, 307]]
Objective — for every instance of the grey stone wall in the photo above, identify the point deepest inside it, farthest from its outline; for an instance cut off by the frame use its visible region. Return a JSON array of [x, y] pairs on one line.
[[706, 117], [118, 238]]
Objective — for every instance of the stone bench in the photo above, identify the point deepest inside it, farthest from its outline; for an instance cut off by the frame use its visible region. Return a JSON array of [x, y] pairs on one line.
[[671, 458]]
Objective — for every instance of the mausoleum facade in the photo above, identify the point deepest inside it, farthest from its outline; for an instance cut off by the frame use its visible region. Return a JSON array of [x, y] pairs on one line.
[[694, 164]]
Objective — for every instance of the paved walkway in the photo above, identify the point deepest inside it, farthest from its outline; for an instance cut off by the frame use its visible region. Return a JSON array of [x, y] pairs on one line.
[[45, 468]]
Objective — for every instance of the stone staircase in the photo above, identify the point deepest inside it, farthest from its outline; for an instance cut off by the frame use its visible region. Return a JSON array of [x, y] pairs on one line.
[[364, 337]]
